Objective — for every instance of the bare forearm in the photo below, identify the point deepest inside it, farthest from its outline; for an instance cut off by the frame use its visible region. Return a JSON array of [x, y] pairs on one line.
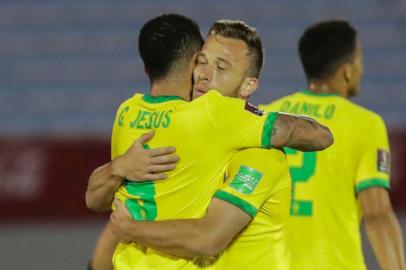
[[101, 188], [207, 236], [386, 239], [176, 238], [103, 253], [300, 133]]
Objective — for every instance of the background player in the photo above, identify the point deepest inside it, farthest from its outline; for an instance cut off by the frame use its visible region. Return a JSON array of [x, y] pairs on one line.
[[333, 189]]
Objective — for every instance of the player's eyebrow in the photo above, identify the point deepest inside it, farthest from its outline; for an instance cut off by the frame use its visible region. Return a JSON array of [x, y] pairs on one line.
[[225, 61]]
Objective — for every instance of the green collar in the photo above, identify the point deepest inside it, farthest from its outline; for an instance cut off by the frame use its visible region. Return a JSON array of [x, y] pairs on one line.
[[159, 99], [311, 93]]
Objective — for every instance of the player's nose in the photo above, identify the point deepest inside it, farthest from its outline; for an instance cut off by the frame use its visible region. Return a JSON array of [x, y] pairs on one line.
[[205, 73]]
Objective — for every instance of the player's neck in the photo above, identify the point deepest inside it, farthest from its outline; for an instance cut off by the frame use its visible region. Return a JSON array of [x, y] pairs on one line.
[[175, 87], [327, 87]]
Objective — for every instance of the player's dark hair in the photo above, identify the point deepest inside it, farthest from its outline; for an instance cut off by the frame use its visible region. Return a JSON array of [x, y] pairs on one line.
[[241, 31], [326, 45], [167, 43]]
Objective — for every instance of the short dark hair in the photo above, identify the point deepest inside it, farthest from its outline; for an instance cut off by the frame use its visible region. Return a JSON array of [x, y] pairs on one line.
[[167, 42], [326, 45], [239, 30]]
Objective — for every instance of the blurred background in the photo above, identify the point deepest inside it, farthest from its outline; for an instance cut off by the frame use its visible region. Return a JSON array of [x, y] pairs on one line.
[[67, 65]]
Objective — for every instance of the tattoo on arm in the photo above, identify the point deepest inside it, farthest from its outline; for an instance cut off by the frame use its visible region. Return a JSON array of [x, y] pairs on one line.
[[300, 132], [274, 131]]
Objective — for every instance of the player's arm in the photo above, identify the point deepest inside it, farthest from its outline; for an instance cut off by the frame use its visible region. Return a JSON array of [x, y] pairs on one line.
[[381, 224], [103, 253], [243, 126], [137, 164], [207, 236], [300, 133], [231, 209], [101, 188], [382, 228]]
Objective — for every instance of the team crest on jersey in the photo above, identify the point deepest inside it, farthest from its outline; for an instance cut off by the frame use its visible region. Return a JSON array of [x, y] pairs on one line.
[[253, 109], [246, 180], [383, 161]]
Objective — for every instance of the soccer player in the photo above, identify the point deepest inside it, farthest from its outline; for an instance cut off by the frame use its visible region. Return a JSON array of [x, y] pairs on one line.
[[162, 46], [334, 189], [230, 60]]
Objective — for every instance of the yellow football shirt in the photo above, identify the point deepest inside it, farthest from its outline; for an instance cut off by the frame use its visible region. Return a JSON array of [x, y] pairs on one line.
[[259, 184], [325, 213], [206, 133]]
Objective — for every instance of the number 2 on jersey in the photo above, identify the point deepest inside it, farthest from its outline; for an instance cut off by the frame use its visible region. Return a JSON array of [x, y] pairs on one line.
[[301, 174]]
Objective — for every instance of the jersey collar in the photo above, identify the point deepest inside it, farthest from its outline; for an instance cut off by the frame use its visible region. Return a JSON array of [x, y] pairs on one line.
[[159, 99], [311, 93]]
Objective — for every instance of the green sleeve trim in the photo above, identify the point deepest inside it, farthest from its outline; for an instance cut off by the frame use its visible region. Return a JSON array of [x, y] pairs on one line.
[[238, 202], [267, 131], [372, 182]]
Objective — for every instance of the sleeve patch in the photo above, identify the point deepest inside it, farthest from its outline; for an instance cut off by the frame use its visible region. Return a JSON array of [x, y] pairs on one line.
[[253, 109], [246, 180], [383, 161]]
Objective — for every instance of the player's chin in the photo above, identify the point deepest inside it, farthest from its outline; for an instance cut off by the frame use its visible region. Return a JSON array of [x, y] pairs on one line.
[[197, 94]]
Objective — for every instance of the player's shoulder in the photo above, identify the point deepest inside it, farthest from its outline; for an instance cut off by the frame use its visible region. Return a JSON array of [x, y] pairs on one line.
[[134, 98], [360, 112], [215, 102], [212, 94], [212, 97], [261, 157], [275, 104], [270, 164]]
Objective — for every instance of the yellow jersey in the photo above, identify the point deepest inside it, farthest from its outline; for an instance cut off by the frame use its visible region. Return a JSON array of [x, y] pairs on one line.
[[206, 133], [258, 183], [325, 213]]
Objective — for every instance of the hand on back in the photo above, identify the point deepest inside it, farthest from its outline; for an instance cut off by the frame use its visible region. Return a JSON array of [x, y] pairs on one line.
[[140, 164]]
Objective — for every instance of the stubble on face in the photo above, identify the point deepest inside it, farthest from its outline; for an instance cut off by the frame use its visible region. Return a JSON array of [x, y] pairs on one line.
[[223, 63]]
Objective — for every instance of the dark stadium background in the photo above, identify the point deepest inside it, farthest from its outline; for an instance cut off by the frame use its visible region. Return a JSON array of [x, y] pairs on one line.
[[66, 65]]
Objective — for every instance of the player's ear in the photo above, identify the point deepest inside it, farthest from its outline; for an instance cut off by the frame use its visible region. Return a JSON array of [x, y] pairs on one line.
[[193, 62], [194, 59], [347, 72], [249, 86]]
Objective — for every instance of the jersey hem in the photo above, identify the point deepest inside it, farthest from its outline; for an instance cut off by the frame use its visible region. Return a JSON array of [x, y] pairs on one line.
[[238, 202], [373, 182]]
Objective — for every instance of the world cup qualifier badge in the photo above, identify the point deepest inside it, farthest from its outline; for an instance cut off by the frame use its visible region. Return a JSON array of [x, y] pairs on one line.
[[246, 180], [383, 161], [254, 109]]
